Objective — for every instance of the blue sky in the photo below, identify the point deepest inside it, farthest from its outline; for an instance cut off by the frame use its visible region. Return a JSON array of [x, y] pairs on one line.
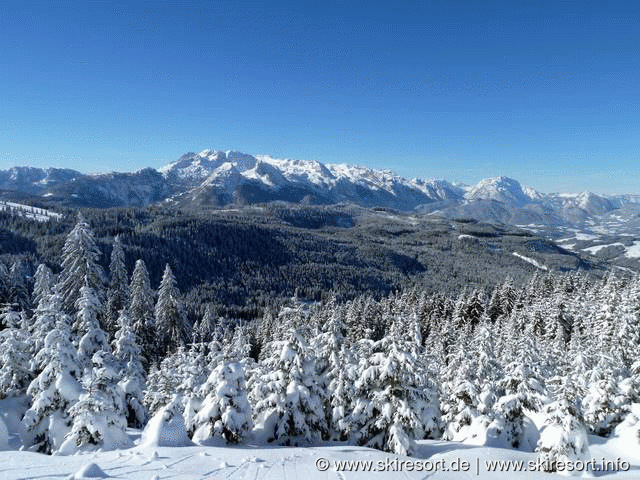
[[545, 92]]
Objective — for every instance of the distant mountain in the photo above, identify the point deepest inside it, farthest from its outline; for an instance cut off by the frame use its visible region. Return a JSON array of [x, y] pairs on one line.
[[217, 178], [30, 180]]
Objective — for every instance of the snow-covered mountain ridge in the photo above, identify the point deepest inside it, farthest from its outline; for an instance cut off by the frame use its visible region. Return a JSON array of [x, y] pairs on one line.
[[217, 178]]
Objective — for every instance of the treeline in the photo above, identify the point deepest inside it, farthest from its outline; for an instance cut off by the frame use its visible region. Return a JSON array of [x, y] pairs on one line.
[[242, 262]]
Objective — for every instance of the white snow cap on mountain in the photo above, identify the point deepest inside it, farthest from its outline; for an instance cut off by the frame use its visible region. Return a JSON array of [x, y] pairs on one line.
[[502, 189]]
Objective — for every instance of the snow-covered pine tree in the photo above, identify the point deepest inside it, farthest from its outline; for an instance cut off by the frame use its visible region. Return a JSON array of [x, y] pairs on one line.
[[141, 312], [341, 394], [511, 427], [460, 392], [42, 284], [118, 293], [289, 400], [205, 329], [19, 285], [132, 375], [603, 406], [225, 410], [93, 338], [563, 437], [395, 403], [15, 374], [98, 417], [181, 373], [170, 319], [525, 372], [80, 266], [53, 391], [45, 318]]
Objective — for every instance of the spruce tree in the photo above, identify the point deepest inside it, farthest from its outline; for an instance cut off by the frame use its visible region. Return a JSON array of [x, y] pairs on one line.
[[395, 403], [42, 284], [53, 391], [289, 400], [141, 312], [170, 319], [80, 267], [98, 417], [15, 374], [225, 411], [132, 375], [118, 293]]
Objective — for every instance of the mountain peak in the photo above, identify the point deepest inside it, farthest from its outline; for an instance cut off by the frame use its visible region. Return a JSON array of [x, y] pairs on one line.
[[502, 189]]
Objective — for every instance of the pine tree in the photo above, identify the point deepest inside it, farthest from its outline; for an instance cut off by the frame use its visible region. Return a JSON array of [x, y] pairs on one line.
[[15, 374], [225, 410], [289, 401], [132, 376], [563, 438], [511, 427], [93, 338], [395, 404], [170, 319], [141, 312], [53, 391], [43, 284], [98, 417], [80, 266], [603, 406], [19, 285], [118, 293], [45, 318]]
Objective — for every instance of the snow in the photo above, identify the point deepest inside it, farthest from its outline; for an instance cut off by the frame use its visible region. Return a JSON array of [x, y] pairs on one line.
[[467, 237], [596, 248], [91, 470], [502, 189], [586, 236], [28, 211], [533, 262], [289, 463], [4, 436], [166, 428], [633, 251]]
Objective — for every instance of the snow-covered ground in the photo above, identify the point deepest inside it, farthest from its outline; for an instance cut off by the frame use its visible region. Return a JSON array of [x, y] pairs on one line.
[[530, 260], [27, 211], [293, 463], [150, 458]]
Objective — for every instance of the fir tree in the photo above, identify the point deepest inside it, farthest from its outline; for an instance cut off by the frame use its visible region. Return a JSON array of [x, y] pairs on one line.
[[132, 376], [80, 266], [53, 391], [395, 404], [15, 374], [170, 319], [289, 400], [98, 417], [42, 285], [563, 438], [225, 411], [93, 338], [141, 312], [118, 293]]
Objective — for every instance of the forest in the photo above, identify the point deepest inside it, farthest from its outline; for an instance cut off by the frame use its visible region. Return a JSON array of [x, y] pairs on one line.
[[94, 348]]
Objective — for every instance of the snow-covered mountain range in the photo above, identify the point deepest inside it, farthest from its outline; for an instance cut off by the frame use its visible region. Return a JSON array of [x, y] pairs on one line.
[[606, 226], [216, 178]]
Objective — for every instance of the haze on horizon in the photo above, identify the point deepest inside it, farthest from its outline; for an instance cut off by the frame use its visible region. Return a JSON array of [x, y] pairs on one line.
[[546, 93]]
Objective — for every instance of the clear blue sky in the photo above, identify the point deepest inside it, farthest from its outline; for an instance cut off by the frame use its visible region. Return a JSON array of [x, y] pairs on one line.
[[546, 92]]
